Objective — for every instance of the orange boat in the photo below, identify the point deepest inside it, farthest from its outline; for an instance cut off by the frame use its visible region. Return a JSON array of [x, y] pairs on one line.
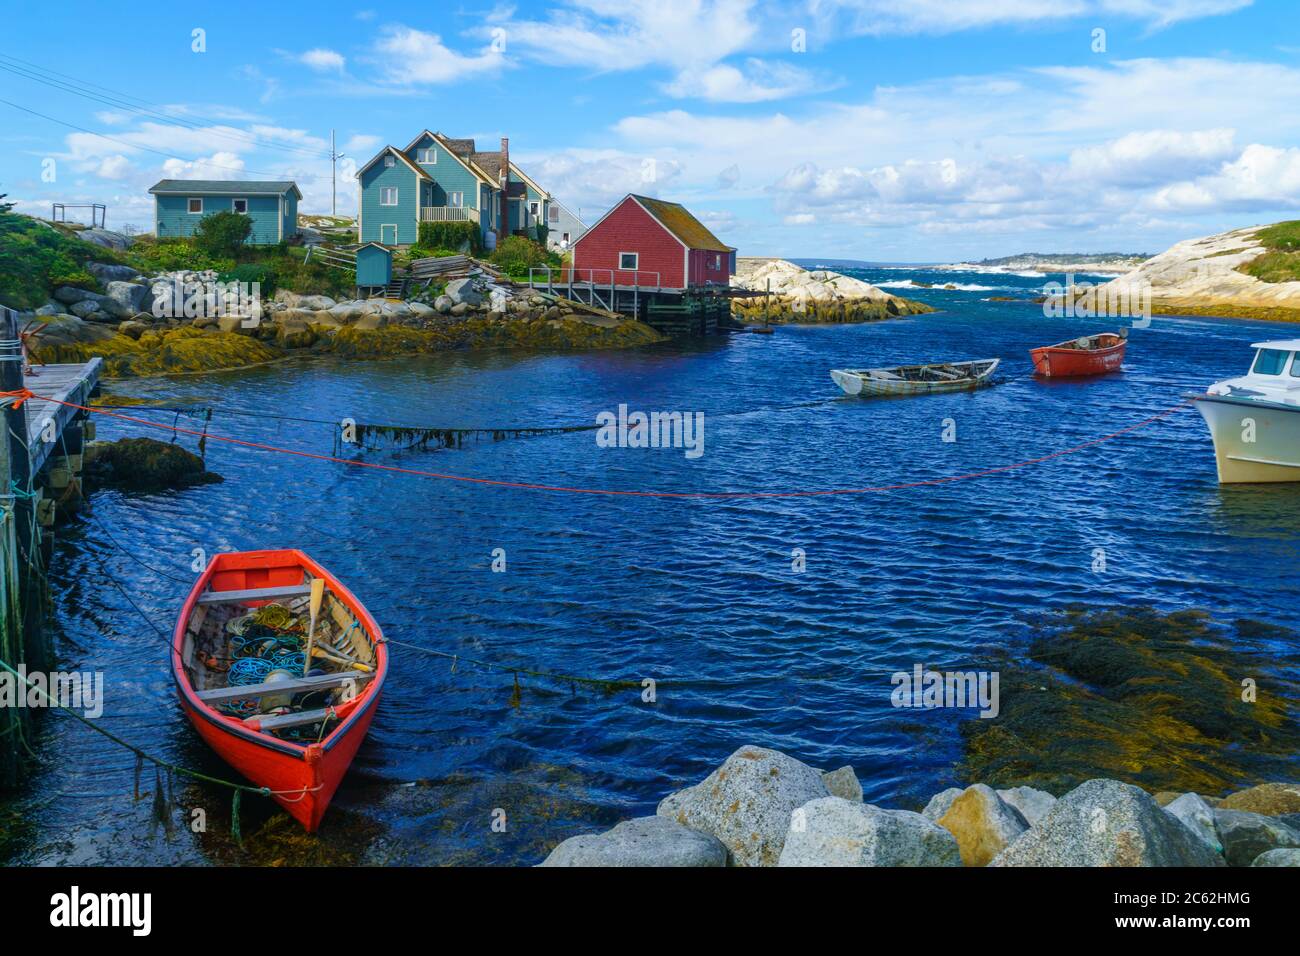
[[239, 659], [1087, 355]]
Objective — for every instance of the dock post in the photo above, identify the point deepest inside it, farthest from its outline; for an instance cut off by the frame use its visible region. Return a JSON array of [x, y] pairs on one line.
[[20, 489]]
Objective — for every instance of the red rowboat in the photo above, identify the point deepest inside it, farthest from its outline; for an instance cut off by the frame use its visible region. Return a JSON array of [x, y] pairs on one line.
[[238, 664], [1087, 355]]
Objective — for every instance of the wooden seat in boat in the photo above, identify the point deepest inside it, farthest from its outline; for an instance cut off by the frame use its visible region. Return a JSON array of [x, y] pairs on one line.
[[295, 686]]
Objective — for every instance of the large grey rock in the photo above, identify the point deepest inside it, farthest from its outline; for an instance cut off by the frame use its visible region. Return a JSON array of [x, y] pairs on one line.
[[940, 803], [443, 304], [1287, 856], [982, 824], [67, 329], [1032, 804], [106, 238], [1270, 799], [111, 271], [832, 831], [1107, 823], [129, 295], [746, 803], [645, 841], [843, 783], [1246, 835], [1197, 816], [467, 291], [68, 294], [311, 303]]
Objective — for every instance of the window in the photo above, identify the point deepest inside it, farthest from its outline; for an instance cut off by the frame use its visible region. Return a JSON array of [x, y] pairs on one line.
[[534, 209], [717, 261], [426, 156], [196, 206], [553, 214], [388, 196], [390, 160], [240, 206], [628, 260], [566, 237], [456, 199], [1270, 362]]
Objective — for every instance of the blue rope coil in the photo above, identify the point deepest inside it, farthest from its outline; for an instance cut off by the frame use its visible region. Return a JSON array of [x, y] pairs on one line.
[[248, 670]]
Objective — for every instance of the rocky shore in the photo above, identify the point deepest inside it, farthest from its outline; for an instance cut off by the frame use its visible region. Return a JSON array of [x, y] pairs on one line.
[[122, 326], [821, 296], [1219, 275], [765, 808]]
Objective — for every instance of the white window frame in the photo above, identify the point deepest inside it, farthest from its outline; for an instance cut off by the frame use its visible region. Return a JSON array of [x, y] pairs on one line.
[[189, 205], [388, 225], [456, 199], [636, 262], [426, 156], [383, 191], [565, 239], [535, 209], [242, 199], [389, 161]]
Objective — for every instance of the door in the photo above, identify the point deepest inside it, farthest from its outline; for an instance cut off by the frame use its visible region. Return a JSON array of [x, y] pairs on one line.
[[388, 234]]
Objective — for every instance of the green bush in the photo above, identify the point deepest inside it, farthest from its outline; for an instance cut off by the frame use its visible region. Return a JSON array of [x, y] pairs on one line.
[[152, 255], [37, 259], [223, 233], [450, 235], [514, 255], [1282, 261], [542, 232], [260, 273]]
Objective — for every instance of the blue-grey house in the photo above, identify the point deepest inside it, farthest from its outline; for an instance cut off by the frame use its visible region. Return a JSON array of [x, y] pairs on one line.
[[440, 179], [179, 205]]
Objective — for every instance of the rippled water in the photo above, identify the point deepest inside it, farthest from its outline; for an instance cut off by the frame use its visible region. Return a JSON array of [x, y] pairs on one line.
[[697, 594]]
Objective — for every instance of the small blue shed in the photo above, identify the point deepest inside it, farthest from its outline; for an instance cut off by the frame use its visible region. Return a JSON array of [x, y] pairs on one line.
[[179, 205], [374, 266]]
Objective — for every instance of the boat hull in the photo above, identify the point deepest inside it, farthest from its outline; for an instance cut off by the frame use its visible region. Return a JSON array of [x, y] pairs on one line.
[[301, 779], [852, 382], [1254, 442], [1055, 362]]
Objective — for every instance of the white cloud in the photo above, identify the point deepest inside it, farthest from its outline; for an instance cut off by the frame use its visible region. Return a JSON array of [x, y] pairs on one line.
[[409, 57], [323, 60], [362, 143], [220, 165], [1261, 177], [1154, 156], [758, 82], [113, 167], [884, 17]]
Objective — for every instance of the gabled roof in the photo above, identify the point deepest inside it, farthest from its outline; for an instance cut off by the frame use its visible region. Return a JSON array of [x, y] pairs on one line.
[[678, 220], [400, 155], [528, 179], [236, 187], [463, 150], [674, 217]]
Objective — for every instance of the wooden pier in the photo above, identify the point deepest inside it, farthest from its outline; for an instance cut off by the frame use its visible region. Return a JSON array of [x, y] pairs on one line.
[[40, 476], [689, 311]]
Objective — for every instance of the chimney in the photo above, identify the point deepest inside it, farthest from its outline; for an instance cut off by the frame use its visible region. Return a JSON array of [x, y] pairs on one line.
[[505, 186]]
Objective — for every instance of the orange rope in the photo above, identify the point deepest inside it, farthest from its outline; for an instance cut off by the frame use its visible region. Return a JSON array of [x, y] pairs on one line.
[[533, 486]]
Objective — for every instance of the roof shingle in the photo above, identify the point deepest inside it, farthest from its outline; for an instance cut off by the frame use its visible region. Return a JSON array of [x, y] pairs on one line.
[[678, 220]]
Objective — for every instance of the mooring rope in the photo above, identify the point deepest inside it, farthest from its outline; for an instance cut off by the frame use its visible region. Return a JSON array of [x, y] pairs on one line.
[[25, 394]]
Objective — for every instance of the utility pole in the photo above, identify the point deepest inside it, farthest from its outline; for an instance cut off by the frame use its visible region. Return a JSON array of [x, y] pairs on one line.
[[334, 158]]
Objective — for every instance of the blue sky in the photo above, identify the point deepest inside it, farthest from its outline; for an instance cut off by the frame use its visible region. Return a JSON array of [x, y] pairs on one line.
[[872, 129]]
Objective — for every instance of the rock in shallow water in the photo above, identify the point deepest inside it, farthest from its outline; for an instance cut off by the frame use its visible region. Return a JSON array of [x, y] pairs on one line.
[[1246, 835], [645, 841], [982, 823], [832, 831], [1107, 823], [145, 464], [1290, 856], [746, 803]]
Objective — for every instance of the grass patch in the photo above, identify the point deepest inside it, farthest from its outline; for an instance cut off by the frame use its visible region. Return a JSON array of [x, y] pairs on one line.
[[1281, 263]]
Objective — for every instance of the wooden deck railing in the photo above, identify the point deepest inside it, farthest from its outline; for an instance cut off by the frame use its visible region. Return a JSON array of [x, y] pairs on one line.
[[448, 214]]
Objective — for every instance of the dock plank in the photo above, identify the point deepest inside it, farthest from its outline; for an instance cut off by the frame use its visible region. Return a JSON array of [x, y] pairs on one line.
[[67, 383]]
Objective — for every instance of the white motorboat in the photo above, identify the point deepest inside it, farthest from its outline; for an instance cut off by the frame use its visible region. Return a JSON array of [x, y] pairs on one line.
[[1255, 419]]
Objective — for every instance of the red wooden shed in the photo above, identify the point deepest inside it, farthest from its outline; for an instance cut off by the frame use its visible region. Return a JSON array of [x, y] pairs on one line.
[[650, 242]]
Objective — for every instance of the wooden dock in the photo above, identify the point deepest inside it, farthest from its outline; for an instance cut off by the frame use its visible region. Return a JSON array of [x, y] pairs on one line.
[[66, 383]]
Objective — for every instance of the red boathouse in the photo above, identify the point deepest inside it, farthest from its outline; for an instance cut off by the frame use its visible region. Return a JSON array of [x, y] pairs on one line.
[[652, 244]]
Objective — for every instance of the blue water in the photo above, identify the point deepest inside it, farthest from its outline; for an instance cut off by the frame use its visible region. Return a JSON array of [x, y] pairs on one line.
[[696, 591]]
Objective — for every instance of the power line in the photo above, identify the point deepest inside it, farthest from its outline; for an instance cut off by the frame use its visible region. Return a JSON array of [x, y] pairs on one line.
[[120, 100]]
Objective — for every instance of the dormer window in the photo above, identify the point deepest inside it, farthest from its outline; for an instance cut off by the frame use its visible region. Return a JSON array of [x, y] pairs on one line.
[[426, 156]]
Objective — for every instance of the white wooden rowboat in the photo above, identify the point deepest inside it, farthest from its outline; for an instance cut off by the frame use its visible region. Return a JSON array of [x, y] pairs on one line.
[[916, 379]]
